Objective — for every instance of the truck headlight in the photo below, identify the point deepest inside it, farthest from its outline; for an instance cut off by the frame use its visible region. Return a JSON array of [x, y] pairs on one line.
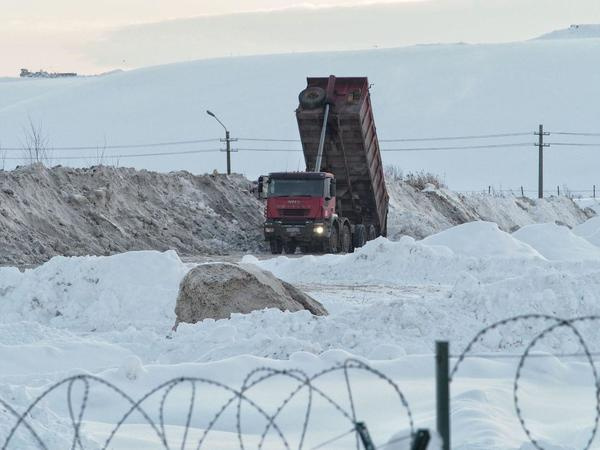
[[269, 229], [319, 229]]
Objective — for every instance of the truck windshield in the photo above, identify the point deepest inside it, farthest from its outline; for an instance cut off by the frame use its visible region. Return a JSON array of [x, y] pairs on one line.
[[291, 188]]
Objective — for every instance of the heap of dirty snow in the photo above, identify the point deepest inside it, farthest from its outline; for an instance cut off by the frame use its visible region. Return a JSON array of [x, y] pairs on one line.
[[482, 239], [103, 210], [94, 293], [557, 243], [420, 213]]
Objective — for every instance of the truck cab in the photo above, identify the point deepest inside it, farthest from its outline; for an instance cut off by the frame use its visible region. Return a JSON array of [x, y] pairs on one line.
[[300, 212]]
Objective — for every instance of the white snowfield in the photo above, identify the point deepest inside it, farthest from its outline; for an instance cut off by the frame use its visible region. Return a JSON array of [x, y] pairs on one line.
[[388, 302], [418, 92]]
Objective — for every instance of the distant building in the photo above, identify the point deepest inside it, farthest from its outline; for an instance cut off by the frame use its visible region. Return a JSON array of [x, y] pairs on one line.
[[25, 73]]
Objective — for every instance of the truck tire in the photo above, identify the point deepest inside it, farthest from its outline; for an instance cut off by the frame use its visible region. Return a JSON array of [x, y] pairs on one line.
[[371, 233], [332, 245], [346, 239], [275, 246], [360, 236], [290, 247], [312, 97]]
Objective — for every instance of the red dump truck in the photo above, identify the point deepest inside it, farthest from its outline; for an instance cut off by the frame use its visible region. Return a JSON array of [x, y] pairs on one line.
[[341, 201]]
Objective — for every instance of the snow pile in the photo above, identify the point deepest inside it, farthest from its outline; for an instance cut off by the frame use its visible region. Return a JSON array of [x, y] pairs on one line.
[[558, 243], [94, 293], [590, 230], [422, 213], [481, 239], [591, 203]]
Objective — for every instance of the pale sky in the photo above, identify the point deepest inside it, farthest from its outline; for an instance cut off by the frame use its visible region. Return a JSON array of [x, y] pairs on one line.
[[92, 36]]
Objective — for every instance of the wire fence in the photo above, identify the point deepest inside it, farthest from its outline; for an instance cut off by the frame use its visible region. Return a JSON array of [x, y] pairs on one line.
[[552, 325], [350, 429], [238, 402]]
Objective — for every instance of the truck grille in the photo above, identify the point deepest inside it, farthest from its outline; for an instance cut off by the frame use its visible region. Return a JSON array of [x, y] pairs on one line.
[[289, 212]]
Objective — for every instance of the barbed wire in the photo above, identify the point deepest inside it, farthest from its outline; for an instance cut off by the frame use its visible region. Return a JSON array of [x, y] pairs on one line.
[[526, 354], [236, 399]]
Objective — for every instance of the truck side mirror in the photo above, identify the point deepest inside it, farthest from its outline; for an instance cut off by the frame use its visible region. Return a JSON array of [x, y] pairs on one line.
[[263, 186], [332, 188]]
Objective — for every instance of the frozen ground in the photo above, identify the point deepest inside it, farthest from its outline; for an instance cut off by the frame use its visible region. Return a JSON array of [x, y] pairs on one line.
[[389, 302]]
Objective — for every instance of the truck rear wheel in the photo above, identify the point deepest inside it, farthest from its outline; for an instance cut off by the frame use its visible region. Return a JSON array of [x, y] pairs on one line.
[[360, 236], [346, 239], [275, 246], [372, 233]]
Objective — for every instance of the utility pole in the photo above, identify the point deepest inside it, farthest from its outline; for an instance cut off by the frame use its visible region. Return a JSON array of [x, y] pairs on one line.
[[227, 141], [541, 146]]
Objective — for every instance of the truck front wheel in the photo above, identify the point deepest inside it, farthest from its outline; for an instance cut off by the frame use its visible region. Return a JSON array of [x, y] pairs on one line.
[[276, 246], [332, 245]]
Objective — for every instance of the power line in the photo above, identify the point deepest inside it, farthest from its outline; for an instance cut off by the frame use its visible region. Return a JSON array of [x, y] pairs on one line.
[[268, 140], [131, 155], [120, 146], [575, 144], [463, 147], [457, 138], [568, 133], [268, 150]]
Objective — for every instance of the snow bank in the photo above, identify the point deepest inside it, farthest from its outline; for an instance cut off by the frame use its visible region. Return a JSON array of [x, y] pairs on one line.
[[482, 239], [592, 203], [590, 230], [94, 293], [557, 243], [422, 213]]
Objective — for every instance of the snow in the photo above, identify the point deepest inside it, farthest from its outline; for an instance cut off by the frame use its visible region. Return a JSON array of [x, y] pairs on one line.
[[422, 213], [483, 239], [94, 293], [388, 302], [484, 89], [583, 31], [591, 203], [590, 230], [557, 242]]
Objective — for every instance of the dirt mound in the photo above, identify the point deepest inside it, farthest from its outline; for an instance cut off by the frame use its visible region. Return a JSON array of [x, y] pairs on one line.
[[104, 210], [216, 290]]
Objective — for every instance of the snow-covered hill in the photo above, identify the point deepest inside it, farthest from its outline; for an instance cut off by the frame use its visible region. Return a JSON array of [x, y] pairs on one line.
[[583, 31], [419, 91]]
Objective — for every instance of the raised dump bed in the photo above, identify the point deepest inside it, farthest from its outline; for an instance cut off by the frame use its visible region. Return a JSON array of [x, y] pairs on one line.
[[351, 149]]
